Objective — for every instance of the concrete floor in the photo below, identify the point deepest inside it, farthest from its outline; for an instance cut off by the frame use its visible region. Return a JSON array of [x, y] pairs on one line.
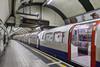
[[18, 56]]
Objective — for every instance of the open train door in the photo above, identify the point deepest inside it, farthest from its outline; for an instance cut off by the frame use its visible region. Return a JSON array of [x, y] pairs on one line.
[[82, 49]]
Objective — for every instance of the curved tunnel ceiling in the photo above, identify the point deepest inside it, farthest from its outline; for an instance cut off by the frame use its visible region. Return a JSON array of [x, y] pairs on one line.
[[66, 8], [48, 6], [72, 7]]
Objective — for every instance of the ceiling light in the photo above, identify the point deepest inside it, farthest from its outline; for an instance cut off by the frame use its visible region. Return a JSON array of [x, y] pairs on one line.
[[49, 1]]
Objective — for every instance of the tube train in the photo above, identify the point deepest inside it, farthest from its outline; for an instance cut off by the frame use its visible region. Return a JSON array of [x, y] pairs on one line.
[[3, 38], [77, 43]]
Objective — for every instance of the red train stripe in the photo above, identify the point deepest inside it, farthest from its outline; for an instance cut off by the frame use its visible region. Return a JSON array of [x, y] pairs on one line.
[[69, 43], [93, 47]]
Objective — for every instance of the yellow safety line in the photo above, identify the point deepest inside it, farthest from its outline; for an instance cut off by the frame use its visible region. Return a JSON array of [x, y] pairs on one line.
[[54, 61], [35, 50], [62, 65]]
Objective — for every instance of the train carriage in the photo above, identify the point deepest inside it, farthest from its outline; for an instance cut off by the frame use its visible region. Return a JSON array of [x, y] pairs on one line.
[[74, 43], [78, 43]]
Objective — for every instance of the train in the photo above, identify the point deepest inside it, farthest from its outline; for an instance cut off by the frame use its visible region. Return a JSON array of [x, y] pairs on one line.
[[3, 37], [77, 43]]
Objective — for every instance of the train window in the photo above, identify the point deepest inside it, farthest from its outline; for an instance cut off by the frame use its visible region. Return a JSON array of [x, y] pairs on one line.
[[49, 36], [58, 36]]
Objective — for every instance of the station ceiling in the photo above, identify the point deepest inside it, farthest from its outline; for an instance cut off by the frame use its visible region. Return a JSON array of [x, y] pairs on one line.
[[64, 8], [70, 7]]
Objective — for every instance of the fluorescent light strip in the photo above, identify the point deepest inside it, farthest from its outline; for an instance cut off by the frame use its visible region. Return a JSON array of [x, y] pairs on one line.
[[49, 1]]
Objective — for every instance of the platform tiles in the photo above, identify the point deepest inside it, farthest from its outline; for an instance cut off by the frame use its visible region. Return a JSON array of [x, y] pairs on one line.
[[17, 55], [48, 59]]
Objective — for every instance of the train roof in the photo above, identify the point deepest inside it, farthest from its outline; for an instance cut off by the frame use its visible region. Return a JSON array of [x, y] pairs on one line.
[[64, 28]]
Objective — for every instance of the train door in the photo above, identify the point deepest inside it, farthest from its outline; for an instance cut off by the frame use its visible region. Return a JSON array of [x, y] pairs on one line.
[[81, 44], [40, 37]]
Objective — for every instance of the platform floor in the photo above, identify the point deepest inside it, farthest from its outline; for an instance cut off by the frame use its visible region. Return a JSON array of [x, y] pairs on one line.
[[18, 56]]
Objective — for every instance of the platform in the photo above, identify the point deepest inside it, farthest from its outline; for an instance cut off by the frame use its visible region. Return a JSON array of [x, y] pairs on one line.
[[18, 56]]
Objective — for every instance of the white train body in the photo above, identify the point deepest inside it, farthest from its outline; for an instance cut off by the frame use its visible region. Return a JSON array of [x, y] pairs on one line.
[[78, 43]]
